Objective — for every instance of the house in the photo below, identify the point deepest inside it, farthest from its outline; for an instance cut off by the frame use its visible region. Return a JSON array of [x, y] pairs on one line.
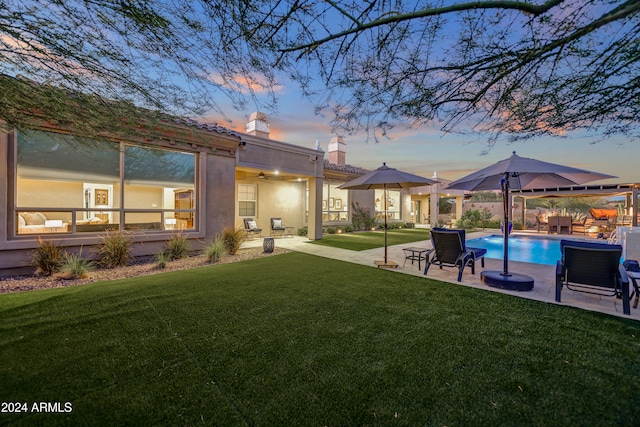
[[180, 176], [174, 176]]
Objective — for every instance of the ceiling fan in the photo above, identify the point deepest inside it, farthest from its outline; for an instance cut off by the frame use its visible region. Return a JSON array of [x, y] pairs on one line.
[[264, 176]]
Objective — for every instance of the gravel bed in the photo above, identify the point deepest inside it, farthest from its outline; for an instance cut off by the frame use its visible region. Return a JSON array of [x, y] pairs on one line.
[[32, 282]]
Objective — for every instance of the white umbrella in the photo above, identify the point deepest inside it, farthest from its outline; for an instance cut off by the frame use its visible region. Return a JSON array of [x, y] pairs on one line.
[[383, 178], [520, 173]]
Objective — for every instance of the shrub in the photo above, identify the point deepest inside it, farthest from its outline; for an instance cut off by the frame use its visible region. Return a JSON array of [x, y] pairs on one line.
[[304, 231], [75, 266], [348, 229], [331, 230], [47, 257], [214, 250], [161, 259], [475, 219], [115, 250], [361, 218], [177, 247], [232, 238]]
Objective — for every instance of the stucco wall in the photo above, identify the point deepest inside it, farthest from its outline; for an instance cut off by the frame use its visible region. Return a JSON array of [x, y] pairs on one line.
[[284, 200], [219, 194]]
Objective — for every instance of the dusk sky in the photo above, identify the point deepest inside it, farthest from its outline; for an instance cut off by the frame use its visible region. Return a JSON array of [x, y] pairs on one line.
[[452, 156]]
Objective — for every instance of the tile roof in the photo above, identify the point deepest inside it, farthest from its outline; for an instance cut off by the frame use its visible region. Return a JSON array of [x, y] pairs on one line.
[[344, 168], [210, 127]]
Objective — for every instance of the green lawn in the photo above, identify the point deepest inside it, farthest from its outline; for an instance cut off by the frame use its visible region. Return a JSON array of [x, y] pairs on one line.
[[300, 340], [364, 240]]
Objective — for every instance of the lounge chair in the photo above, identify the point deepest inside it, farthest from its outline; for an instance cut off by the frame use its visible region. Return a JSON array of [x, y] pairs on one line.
[[252, 228], [592, 268], [277, 228], [450, 250]]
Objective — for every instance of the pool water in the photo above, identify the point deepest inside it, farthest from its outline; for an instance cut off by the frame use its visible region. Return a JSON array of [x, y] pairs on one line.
[[536, 250]]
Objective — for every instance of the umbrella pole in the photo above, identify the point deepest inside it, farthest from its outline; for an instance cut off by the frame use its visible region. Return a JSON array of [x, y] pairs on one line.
[[505, 226], [385, 223]]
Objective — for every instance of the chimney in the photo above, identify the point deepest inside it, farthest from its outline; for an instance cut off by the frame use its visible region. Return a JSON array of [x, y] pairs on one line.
[[337, 151], [258, 125]]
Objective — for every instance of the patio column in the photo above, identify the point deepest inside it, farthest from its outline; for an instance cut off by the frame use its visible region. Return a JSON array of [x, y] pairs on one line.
[[315, 209], [459, 203], [434, 207], [634, 206]]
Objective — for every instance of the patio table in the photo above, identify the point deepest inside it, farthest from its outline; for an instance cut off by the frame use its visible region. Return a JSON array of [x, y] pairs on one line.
[[634, 275], [416, 254]]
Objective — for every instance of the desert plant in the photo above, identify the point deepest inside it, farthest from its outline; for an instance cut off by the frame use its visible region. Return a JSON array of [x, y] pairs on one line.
[[474, 218], [214, 250], [348, 229], [177, 247], [304, 231], [161, 259], [232, 238], [47, 257], [361, 218], [75, 266], [331, 230], [115, 249]]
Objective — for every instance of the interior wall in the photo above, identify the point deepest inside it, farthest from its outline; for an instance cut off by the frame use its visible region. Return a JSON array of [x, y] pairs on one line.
[[139, 197], [39, 193]]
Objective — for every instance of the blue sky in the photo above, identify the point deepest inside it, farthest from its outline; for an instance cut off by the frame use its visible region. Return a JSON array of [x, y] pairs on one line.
[[425, 150], [452, 156]]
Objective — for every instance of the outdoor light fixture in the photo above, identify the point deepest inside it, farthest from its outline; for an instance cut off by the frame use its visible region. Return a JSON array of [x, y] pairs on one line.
[[261, 175]]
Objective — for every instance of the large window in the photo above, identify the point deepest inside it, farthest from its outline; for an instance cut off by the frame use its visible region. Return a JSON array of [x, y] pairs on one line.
[[66, 185], [392, 208], [335, 204], [247, 200]]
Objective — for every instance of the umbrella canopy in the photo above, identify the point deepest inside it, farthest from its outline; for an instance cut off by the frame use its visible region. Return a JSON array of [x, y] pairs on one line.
[[522, 173], [525, 173], [386, 178]]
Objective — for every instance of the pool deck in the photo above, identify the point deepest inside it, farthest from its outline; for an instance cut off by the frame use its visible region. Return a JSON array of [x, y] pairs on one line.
[[544, 275]]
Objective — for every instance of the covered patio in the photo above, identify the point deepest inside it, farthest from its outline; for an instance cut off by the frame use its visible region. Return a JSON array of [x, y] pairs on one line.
[[628, 191]]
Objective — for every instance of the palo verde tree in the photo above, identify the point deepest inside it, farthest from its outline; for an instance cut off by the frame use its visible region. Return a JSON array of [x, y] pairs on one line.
[[522, 68]]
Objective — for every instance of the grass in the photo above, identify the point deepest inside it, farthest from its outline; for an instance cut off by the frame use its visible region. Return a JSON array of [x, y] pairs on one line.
[[364, 240], [295, 339]]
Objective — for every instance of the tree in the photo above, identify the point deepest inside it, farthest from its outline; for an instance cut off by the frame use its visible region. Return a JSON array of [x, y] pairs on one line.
[[82, 63], [523, 68]]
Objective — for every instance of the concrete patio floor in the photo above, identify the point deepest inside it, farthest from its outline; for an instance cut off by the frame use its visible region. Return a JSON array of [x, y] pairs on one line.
[[544, 275]]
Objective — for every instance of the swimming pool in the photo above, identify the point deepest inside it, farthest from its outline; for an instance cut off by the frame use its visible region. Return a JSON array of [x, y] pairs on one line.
[[536, 250]]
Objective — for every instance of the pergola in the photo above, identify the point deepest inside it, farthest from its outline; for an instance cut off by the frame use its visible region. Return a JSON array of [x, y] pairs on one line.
[[630, 191]]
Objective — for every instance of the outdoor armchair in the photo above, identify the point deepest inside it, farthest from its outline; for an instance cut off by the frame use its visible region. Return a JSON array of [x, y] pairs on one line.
[[251, 227], [581, 225], [592, 268], [450, 250], [541, 222], [277, 228]]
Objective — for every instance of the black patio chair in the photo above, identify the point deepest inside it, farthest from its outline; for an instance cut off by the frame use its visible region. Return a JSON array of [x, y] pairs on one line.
[[251, 227], [592, 268], [450, 250], [277, 228]]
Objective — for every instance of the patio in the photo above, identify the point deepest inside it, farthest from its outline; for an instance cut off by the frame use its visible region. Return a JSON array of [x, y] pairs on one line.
[[544, 275]]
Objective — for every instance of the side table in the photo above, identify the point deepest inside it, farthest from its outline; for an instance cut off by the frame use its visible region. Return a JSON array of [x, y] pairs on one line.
[[634, 276], [416, 254]]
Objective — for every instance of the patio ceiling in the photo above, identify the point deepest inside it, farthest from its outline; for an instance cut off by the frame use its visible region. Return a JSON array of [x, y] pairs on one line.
[[579, 191]]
